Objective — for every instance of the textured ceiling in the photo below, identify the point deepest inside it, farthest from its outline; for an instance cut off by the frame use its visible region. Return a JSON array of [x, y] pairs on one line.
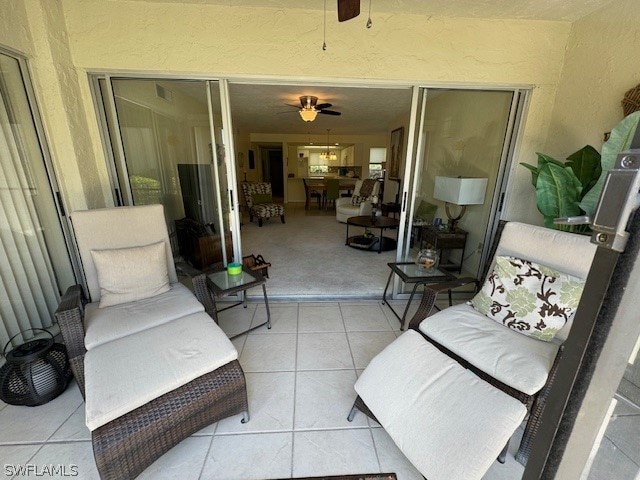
[[261, 108], [564, 10]]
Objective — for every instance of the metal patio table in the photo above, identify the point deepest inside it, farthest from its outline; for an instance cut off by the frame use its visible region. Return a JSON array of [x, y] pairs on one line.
[[221, 284], [409, 272]]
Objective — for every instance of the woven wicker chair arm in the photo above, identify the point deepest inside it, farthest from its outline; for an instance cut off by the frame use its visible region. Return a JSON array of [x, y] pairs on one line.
[[424, 309], [70, 317], [430, 294], [203, 294]]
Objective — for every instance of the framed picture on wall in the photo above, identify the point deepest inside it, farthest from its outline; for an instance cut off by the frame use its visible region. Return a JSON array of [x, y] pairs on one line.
[[395, 155]]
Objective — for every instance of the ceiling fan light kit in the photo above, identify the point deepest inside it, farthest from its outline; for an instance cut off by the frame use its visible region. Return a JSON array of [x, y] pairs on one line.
[[308, 115], [310, 108]]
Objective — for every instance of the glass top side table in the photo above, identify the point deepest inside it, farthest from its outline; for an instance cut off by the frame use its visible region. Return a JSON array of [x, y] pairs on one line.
[[221, 284], [409, 272]]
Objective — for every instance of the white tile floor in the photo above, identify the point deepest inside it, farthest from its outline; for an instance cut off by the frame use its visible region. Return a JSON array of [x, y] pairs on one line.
[[300, 378]]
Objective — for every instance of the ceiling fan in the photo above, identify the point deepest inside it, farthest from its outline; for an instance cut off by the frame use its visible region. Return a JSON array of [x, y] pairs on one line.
[[310, 108], [348, 9]]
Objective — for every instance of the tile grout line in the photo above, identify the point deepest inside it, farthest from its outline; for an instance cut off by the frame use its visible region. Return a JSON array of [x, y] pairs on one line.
[[206, 456], [295, 390]]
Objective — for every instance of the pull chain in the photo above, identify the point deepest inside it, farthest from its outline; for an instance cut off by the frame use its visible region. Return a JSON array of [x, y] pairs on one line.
[[324, 35], [369, 22]]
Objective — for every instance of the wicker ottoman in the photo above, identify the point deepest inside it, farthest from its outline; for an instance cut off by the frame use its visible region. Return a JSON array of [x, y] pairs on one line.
[[448, 422]]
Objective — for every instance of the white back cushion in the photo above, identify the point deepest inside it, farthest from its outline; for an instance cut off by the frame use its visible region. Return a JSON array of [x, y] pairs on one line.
[[566, 252], [120, 227]]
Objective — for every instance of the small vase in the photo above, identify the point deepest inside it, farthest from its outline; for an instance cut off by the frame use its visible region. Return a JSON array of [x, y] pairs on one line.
[[427, 259]]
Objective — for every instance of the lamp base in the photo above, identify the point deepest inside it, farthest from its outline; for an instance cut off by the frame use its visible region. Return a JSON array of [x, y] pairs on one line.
[[453, 221]]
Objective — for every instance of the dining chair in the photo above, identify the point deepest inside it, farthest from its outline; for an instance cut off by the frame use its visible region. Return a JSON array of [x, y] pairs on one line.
[[332, 191], [311, 192]]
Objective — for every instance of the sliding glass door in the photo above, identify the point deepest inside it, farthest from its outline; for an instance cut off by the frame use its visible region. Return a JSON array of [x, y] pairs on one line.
[[465, 134], [35, 266], [169, 145]]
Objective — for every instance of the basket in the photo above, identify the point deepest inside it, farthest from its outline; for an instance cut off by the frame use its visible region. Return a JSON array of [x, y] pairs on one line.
[[35, 372], [631, 101]]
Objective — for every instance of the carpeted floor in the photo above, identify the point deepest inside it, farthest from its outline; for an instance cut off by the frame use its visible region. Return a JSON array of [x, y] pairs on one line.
[[310, 259]]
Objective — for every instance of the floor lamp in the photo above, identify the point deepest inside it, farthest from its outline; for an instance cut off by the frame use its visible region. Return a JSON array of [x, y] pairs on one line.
[[459, 191]]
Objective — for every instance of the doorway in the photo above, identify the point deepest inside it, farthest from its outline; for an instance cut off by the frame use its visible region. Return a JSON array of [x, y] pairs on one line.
[[273, 170]]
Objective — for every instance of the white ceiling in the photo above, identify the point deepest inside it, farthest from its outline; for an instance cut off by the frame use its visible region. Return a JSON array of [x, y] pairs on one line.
[[262, 109], [564, 10]]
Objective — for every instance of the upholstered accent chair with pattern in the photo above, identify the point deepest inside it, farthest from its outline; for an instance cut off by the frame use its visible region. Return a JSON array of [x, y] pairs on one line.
[[259, 199], [481, 366], [360, 202]]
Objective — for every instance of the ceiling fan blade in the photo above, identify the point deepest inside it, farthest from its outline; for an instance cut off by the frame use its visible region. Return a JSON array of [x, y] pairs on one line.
[[291, 105], [348, 9], [329, 112], [322, 105]]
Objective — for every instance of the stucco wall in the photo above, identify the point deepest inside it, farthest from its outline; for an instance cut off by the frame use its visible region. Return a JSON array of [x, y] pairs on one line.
[[601, 64], [36, 28], [209, 40]]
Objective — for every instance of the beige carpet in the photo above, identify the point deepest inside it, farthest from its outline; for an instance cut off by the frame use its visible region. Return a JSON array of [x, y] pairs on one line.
[[310, 259]]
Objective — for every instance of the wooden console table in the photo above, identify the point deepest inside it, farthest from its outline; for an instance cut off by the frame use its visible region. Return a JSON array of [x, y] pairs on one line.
[[445, 240]]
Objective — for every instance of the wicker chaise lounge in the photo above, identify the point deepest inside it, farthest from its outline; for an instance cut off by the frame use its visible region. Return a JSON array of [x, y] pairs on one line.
[[152, 371], [467, 370]]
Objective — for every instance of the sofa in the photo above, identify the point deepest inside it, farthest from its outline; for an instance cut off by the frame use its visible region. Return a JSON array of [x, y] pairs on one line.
[[359, 203], [152, 365]]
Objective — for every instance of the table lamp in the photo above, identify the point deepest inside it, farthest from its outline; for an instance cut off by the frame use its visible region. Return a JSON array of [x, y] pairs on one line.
[[459, 191]]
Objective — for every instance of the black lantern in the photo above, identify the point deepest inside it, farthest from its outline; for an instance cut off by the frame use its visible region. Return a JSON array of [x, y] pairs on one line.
[[35, 372]]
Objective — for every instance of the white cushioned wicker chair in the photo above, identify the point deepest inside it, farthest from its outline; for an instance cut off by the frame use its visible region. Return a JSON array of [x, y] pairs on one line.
[[150, 361], [459, 381], [348, 207]]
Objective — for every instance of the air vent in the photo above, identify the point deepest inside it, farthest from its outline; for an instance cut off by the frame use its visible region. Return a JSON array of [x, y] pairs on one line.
[[164, 93]]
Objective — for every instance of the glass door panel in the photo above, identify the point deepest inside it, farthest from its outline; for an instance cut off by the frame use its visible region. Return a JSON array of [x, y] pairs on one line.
[[462, 134], [169, 152], [35, 267]]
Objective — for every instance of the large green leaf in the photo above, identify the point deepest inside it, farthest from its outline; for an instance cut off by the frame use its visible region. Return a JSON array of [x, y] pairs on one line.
[[585, 164], [534, 172], [557, 192], [619, 141]]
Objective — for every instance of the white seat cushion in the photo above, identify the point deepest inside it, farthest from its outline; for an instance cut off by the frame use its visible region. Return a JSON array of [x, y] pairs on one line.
[[449, 423], [517, 360], [105, 324], [128, 373]]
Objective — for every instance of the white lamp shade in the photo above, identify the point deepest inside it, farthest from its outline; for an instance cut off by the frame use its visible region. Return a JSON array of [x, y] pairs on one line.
[[460, 191]]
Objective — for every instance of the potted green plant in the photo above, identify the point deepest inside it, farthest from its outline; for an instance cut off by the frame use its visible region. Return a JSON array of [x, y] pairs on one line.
[[573, 188]]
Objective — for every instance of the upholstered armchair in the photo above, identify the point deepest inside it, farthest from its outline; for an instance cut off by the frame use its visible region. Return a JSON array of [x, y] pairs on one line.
[[358, 204], [150, 361], [259, 200], [481, 366]]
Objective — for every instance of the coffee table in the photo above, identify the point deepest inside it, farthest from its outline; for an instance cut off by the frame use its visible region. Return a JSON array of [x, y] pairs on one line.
[[367, 243], [409, 272], [221, 284]]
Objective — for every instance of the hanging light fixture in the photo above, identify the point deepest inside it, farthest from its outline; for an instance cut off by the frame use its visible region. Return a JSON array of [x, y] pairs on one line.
[[308, 114], [328, 154]]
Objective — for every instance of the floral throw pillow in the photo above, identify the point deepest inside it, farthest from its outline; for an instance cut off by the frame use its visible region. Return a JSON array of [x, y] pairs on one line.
[[529, 298]]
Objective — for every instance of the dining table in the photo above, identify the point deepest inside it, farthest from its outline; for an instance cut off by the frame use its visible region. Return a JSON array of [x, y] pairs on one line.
[[320, 186]]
